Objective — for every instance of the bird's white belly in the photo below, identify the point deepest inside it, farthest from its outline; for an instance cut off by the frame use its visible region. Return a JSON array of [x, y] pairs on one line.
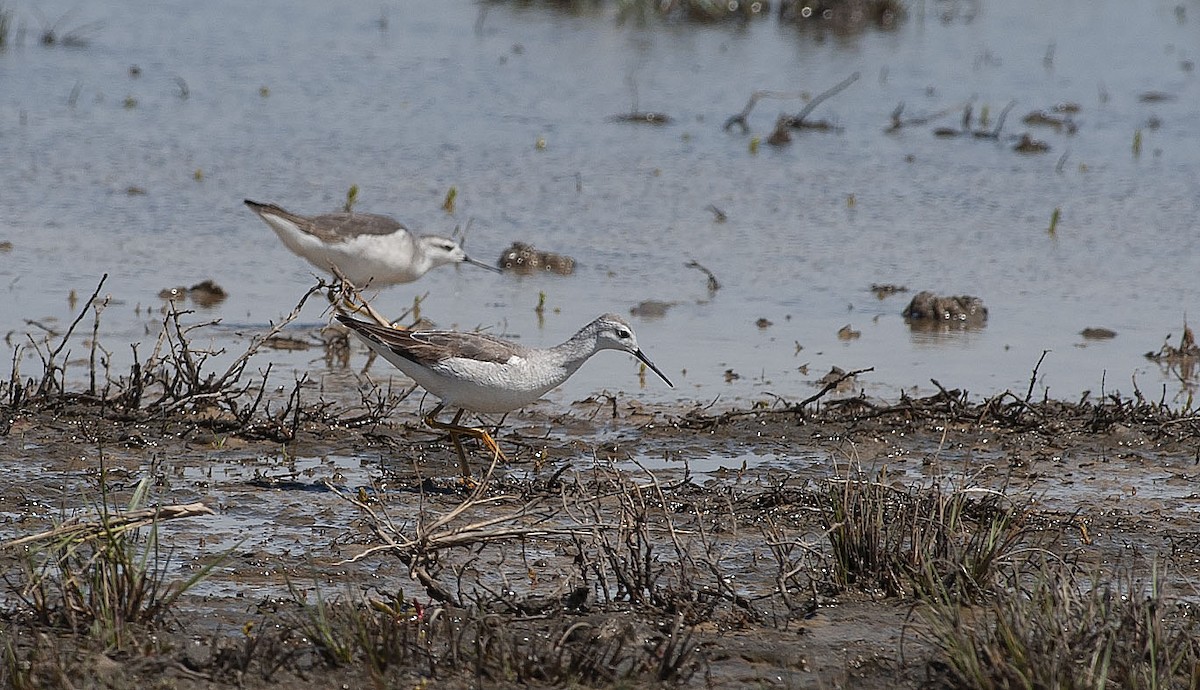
[[367, 258], [488, 386]]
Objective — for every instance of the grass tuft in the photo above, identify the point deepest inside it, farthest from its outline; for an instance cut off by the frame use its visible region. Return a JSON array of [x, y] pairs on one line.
[[923, 540], [394, 636], [109, 583], [1056, 631]]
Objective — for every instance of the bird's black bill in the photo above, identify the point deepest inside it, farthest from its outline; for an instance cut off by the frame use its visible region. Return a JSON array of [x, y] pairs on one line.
[[480, 264], [646, 360]]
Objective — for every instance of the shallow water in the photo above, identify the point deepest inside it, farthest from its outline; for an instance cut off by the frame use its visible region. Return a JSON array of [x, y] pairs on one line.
[[295, 102]]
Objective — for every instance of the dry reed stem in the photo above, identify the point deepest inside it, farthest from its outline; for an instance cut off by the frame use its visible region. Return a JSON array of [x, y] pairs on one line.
[[76, 530]]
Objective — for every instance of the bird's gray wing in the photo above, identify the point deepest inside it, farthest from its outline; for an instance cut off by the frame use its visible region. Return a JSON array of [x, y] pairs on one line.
[[339, 227], [430, 347]]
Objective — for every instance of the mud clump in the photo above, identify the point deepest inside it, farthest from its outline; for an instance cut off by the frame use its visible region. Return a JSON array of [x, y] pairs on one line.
[[1028, 144], [929, 309], [1098, 333], [523, 258], [205, 293]]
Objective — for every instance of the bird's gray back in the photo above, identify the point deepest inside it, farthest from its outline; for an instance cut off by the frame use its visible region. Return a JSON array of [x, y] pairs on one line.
[[340, 227]]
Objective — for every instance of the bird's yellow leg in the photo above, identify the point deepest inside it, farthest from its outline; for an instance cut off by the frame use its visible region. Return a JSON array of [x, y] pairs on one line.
[[455, 429], [458, 446]]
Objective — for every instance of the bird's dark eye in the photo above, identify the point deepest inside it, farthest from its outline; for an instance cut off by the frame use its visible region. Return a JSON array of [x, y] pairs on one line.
[[622, 333]]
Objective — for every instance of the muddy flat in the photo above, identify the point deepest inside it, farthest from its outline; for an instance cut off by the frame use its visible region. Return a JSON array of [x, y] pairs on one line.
[[621, 543]]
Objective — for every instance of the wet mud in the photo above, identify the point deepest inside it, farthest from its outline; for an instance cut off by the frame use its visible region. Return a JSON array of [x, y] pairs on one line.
[[1103, 481]]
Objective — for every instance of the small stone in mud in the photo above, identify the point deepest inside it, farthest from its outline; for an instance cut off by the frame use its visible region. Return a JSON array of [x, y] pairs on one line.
[[651, 309], [1155, 97], [848, 333], [883, 290], [731, 376], [1098, 333], [523, 258], [764, 323], [928, 308]]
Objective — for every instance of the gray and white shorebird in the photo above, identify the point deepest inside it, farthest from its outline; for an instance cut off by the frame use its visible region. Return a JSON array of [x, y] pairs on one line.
[[481, 373], [366, 248]]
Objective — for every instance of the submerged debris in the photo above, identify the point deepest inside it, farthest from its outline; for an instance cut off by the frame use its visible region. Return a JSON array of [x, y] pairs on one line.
[[929, 308], [651, 309], [523, 258], [797, 121], [713, 284], [287, 343], [883, 290], [1187, 352], [638, 117], [1041, 118], [1155, 97], [1098, 333]]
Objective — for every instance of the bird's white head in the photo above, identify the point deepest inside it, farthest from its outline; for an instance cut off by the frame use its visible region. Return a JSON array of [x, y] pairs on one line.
[[439, 251], [615, 333]]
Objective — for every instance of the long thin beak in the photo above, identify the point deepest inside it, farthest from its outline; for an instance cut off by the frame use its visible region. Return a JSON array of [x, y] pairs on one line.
[[473, 262], [646, 360]]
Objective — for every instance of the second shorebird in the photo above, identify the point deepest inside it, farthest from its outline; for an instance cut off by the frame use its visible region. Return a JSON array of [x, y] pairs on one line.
[[366, 248], [482, 373]]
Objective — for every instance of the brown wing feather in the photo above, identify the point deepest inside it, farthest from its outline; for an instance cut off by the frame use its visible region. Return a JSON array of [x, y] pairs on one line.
[[430, 347]]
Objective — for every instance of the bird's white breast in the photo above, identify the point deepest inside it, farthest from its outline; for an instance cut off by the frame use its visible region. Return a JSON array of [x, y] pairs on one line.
[[493, 387]]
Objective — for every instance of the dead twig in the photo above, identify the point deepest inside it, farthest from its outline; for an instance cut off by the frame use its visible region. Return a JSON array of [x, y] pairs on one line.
[[348, 299], [798, 120], [418, 547], [740, 118], [713, 285], [829, 385], [897, 123]]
